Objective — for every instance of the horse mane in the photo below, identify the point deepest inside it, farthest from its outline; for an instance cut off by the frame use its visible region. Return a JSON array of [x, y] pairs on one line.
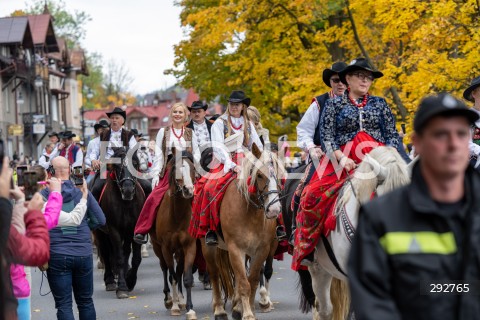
[[250, 167], [172, 162], [365, 180]]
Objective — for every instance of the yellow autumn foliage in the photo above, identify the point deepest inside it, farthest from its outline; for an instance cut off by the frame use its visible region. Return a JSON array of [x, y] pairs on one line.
[[276, 50]]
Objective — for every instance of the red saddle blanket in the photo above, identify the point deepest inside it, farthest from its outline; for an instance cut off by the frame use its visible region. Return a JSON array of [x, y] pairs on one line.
[[209, 192]]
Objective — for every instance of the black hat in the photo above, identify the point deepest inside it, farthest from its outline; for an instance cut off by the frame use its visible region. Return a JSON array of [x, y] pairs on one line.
[[198, 105], [239, 96], [337, 67], [467, 94], [359, 64], [67, 135], [101, 124], [441, 104], [135, 133], [53, 133], [119, 111]]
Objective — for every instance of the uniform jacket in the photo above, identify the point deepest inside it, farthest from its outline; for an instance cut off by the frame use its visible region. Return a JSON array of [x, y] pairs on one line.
[[404, 243]]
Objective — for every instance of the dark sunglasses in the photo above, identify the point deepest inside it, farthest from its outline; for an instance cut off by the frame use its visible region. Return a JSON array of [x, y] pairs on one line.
[[336, 80]]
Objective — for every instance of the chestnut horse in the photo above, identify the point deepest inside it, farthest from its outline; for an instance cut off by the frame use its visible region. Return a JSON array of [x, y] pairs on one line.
[[170, 238], [247, 223]]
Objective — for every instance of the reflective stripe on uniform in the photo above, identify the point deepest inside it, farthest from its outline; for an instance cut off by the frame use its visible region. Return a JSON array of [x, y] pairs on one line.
[[419, 242]]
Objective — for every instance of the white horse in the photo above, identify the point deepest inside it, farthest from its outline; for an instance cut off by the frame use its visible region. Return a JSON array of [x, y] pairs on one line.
[[381, 171]]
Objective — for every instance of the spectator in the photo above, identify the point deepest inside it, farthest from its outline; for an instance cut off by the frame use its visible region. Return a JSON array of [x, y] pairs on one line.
[[69, 150], [71, 264], [44, 159]]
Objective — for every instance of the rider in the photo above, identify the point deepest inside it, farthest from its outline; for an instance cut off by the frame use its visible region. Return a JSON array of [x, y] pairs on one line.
[[115, 136], [200, 126], [173, 136], [353, 124], [472, 93], [309, 130], [233, 124], [93, 144]]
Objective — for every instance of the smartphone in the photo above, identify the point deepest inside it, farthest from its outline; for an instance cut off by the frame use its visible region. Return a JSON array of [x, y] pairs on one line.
[[30, 184], [2, 154], [20, 171], [77, 175]]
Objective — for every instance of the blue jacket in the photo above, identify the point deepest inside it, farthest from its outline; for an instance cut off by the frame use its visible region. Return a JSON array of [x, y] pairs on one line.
[[75, 241]]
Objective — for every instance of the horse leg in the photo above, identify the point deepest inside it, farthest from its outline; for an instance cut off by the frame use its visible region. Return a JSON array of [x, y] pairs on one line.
[[243, 287], [119, 263], [170, 263], [218, 305], [265, 302], [145, 251], [104, 248], [131, 278], [321, 282], [189, 254], [179, 276], [256, 265]]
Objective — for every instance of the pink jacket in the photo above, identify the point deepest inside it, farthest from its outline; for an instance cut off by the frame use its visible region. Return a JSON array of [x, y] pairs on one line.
[[21, 287]]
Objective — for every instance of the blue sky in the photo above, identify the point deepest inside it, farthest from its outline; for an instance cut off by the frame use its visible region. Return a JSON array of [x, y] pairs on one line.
[[139, 32]]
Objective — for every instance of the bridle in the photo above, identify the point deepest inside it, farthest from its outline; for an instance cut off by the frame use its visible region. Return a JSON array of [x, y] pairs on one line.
[[121, 181], [178, 188]]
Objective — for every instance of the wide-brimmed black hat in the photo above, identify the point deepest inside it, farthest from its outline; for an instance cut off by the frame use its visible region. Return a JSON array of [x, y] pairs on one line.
[[239, 96], [119, 111], [337, 67], [467, 94], [67, 135], [135, 133], [101, 124], [442, 104], [359, 64], [198, 105], [53, 133]]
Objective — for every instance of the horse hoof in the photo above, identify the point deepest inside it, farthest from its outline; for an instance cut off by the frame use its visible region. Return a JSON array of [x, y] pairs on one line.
[[266, 307], [221, 317], [182, 306], [191, 315], [122, 294], [111, 287], [237, 315], [207, 286], [168, 304], [175, 312]]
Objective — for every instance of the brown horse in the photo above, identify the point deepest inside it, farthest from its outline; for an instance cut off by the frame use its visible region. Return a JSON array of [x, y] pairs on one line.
[[247, 217], [170, 238]]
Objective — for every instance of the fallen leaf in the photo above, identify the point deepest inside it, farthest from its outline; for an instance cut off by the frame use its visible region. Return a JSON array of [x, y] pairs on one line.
[[132, 297], [36, 310]]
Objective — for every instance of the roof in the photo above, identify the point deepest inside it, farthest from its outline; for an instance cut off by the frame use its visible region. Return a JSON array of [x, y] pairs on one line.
[[15, 30], [78, 60], [191, 97], [42, 31], [62, 53]]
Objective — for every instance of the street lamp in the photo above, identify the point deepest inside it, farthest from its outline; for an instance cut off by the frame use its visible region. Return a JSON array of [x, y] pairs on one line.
[[38, 81], [89, 96]]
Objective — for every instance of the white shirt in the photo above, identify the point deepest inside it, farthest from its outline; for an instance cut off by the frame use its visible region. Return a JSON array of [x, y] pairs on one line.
[[43, 160], [179, 144], [306, 127], [92, 145], [200, 133], [72, 218], [78, 158], [115, 141], [218, 138]]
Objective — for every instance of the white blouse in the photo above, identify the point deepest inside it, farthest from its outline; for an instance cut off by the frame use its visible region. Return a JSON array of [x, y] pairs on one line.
[[179, 144]]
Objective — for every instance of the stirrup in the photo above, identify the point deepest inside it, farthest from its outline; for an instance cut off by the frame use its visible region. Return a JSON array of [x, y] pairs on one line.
[[211, 238], [280, 233], [140, 238]]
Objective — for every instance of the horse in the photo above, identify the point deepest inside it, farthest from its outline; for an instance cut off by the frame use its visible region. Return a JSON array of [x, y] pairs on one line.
[[247, 228], [121, 200], [170, 238], [381, 171]]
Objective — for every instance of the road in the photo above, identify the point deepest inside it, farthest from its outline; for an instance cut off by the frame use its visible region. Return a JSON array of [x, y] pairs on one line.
[[146, 301]]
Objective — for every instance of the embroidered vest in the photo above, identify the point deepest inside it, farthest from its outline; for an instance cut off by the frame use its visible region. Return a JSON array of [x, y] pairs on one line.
[[71, 156], [125, 135], [187, 135]]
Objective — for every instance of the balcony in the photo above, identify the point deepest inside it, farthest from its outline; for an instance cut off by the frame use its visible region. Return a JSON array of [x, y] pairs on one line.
[[32, 119]]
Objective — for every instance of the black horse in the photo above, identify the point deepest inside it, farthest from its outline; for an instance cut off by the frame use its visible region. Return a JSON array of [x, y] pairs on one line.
[[307, 296], [121, 200]]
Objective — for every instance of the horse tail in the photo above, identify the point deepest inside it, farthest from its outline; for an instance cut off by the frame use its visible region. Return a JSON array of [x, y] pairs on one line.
[[226, 274], [306, 294], [340, 297]]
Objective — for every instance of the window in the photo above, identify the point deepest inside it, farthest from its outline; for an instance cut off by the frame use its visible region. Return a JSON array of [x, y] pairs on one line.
[[54, 108]]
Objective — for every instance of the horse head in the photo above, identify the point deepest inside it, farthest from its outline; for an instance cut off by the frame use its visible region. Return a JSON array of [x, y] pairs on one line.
[[142, 156], [182, 173], [261, 178], [125, 180]]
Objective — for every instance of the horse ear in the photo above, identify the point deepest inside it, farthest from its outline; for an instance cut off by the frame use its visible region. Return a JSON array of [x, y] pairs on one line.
[[256, 151]]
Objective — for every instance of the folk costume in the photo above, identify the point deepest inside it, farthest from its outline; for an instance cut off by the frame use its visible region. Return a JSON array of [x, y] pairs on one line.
[[167, 139], [210, 189], [347, 125], [474, 145], [309, 133], [201, 131], [72, 152]]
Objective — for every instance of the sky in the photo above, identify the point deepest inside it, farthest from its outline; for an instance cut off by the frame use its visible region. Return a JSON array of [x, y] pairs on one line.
[[141, 33]]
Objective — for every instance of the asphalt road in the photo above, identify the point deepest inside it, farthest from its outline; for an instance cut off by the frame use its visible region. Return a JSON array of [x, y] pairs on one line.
[[146, 300]]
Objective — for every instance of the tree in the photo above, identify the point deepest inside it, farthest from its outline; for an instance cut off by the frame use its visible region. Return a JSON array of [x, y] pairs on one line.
[[276, 49]]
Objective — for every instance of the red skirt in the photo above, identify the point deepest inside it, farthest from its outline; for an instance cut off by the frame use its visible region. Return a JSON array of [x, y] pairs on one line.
[[315, 215], [209, 192], [150, 208]]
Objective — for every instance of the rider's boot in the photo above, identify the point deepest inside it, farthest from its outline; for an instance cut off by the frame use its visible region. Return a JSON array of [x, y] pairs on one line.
[[296, 204], [140, 238], [211, 238], [280, 233]]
